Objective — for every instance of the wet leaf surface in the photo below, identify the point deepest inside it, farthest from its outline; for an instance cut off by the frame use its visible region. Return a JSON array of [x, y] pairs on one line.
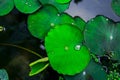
[[65, 50], [102, 35], [29, 6]]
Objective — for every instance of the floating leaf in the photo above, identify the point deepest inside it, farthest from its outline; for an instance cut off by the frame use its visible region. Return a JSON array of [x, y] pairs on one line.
[[3, 74], [93, 71], [38, 66], [40, 22], [6, 6], [65, 51], [48, 18], [102, 35], [60, 7], [62, 1], [80, 23], [64, 18], [27, 6], [116, 6]]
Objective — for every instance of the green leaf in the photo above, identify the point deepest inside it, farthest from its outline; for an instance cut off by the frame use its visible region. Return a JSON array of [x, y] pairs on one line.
[[116, 6], [6, 6], [80, 23], [27, 6], [65, 50], [102, 35], [38, 66], [60, 7], [65, 18], [3, 74], [48, 18], [40, 22], [93, 71], [63, 1]]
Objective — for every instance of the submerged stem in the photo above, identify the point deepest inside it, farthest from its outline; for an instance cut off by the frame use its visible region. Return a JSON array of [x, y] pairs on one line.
[[20, 47]]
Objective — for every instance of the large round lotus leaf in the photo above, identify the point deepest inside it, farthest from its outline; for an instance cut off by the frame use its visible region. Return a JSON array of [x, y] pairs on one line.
[[39, 23], [60, 7], [102, 35], [62, 1], [27, 6], [80, 23], [65, 51], [116, 6], [6, 6]]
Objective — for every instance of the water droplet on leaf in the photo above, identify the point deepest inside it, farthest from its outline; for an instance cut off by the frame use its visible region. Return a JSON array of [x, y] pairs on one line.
[[77, 47]]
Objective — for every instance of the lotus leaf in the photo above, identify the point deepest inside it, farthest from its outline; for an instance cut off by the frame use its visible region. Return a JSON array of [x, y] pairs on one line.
[[65, 51]]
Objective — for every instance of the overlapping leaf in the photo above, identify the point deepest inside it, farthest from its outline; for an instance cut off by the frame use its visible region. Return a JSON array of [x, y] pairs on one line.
[[60, 7], [27, 6], [6, 6], [65, 51]]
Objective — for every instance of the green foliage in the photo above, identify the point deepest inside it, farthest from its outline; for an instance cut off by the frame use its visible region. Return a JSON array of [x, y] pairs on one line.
[[26, 6], [65, 50], [6, 6], [38, 66], [59, 6], [40, 22], [114, 75], [102, 35], [116, 6], [79, 22]]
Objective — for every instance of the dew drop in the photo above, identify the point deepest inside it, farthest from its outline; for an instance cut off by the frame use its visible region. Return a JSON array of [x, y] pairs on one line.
[[29, 5], [106, 19], [77, 47], [52, 24], [66, 48], [72, 23], [111, 37], [84, 73], [58, 14], [26, 3]]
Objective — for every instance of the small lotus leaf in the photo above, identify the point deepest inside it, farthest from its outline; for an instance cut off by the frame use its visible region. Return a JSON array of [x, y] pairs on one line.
[[80, 23], [60, 7], [65, 51], [27, 6], [40, 22], [102, 35], [6, 6]]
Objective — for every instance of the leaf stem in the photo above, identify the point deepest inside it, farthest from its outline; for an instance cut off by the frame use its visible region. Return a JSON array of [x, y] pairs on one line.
[[20, 47]]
